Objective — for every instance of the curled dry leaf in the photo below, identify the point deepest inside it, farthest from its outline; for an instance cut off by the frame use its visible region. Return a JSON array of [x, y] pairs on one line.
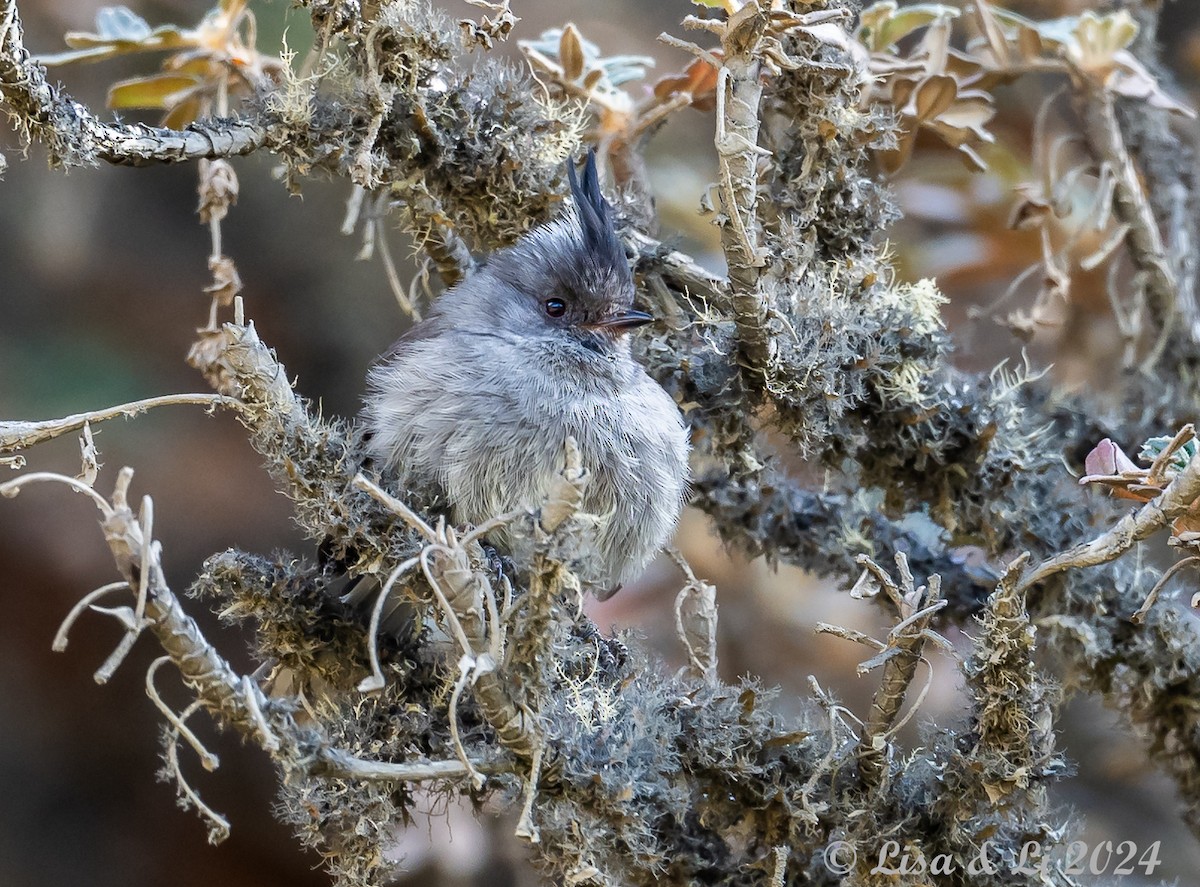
[[489, 29], [1032, 210], [698, 82], [218, 189], [226, 283]]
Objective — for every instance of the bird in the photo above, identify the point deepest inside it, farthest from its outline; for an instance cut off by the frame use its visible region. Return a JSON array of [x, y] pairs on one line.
[[476, 401]]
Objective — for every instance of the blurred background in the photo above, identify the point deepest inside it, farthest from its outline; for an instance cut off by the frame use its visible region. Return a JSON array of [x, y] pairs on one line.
[[101, 273]]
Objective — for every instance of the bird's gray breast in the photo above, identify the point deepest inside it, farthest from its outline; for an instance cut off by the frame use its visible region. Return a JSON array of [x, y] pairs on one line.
[[485, 417], [534, 399]]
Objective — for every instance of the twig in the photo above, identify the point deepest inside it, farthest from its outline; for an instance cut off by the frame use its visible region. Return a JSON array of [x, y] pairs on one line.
[[334, 764], [21, 435], [389, 270], [779, 861], [1133, 208], [437, 234], [208, 760], [60, 637], [146, 519], [11, 488], [468, 666], [1173, 502], [133, 630], [1139, 615], [376, 681], [526, 827], [739, 93], [697, 627], [900, 656], [266, 736], [1158, 467], [679, 270], [218, 828], [386, 499]]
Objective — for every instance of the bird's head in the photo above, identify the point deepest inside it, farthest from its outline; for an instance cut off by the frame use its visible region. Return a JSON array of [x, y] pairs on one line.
[[569, 278]]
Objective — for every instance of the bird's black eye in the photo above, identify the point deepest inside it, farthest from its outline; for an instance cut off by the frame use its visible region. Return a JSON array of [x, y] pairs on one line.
[[556, 307]]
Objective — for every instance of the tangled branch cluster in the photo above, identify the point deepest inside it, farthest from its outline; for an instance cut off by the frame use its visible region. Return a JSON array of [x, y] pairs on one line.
[[624, 774]]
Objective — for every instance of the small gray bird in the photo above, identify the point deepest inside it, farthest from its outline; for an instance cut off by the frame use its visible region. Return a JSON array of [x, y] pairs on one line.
[[477, 400]]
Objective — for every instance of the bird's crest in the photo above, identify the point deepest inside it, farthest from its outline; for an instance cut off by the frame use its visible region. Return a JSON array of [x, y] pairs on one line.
[[595, 215]]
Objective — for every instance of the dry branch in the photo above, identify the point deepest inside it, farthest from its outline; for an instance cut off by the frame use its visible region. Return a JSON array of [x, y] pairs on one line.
[[1178, 497], [630, 776], [1147, 250], [22, 435], [75, 137]]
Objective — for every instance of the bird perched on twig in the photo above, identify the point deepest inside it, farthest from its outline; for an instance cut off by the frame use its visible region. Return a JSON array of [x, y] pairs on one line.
[[477, 400]]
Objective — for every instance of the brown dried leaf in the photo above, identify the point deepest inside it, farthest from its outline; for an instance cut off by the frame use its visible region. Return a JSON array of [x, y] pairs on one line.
[[932, 96], [227, 283], [570, 53], [699, 80], [992, 32], [182, 114], [218, 189], [1132, 80], [1186, 528], [1032, 211]]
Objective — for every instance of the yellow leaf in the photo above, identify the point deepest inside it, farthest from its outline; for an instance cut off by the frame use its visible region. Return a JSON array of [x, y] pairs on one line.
[[157, 91]]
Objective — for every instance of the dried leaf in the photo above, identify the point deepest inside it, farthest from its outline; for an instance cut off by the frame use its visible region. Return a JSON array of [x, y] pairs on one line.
[[698, 80], [227, 283], [89, 456], [1132, 80], [1186, 529], [1098, 38], [992, 32], [182, 114], [218, 189], [570, 53], [1032, 211], [931, 97]]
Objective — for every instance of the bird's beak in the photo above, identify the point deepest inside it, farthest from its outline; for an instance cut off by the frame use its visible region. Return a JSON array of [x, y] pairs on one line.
[[619, 323]]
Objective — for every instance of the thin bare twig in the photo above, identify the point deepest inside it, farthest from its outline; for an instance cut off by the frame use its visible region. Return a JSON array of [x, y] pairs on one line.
[[1139, 615], [60, 637], [22, 435], [218, 825], [336, 764], [208, 760]]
